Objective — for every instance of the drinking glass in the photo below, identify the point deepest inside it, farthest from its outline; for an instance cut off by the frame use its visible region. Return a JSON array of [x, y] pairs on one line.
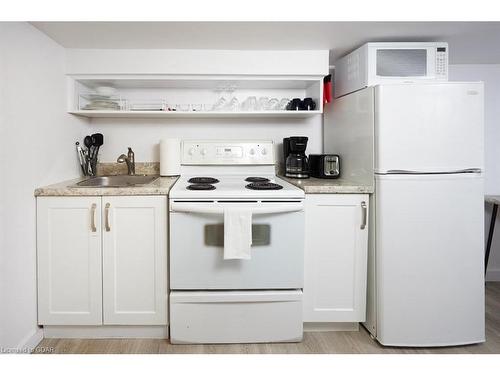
[[249, 104], [182, 107], [273, 104], [263, 103], [232, 105], [219, 104], [283, 103]]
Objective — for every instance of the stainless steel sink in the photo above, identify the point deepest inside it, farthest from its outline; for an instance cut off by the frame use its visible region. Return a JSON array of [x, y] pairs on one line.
[[117, 181]]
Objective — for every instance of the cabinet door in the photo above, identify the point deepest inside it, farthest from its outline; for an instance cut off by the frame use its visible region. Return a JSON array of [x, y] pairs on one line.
[[336, 246], [69, 260], [135, 260]]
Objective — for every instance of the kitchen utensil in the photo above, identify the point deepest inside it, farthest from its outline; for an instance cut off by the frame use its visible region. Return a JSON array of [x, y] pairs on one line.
[[97, 142], [87, 141], [81, 157]]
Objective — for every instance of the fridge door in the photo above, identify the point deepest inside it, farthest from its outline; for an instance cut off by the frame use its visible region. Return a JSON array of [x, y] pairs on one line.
[[429, 127], [429, 259]]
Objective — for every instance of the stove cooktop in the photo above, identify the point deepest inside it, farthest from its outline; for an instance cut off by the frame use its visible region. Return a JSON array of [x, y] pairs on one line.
[[263, 186], [256, 179], [200, 187], [203, 180], [234, 187]]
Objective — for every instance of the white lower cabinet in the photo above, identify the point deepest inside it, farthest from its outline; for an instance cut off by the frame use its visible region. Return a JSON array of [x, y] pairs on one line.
[[102, 260], [135, 260], [69, 260], [336, 245]]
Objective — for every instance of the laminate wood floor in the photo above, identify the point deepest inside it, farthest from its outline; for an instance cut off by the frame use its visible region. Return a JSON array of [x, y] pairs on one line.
[[314, 342]]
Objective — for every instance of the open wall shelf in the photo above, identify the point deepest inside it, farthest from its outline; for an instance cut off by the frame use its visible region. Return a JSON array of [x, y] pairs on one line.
[[187, 93], [194, 114]]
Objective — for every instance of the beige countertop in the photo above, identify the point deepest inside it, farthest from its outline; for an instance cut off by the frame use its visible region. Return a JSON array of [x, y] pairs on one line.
[[330, 186], [160, 186]]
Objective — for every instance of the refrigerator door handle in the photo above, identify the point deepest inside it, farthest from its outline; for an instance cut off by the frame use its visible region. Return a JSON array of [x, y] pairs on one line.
[[405, 171]]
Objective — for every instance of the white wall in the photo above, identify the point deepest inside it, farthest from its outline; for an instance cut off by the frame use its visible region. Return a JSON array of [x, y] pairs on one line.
[[490, 74], [144, 135], [201, 61], [37, 148]]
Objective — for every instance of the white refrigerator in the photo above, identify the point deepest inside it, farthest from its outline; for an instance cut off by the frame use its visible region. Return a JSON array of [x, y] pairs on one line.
[[423, 143]]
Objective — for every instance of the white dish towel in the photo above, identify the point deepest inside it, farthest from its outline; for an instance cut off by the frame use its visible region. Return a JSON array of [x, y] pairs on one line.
[[237, 233]]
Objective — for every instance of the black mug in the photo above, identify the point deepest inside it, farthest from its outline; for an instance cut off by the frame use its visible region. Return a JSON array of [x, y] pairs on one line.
[[294, 105], [309, 104]]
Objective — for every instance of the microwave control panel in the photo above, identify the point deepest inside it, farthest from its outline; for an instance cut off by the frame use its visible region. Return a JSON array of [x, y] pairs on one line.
[[441, 62]]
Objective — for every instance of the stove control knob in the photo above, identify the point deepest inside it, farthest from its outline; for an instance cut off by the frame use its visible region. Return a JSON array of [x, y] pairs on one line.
[[264, 151], [191, 151], [252, 151], [203, 152]]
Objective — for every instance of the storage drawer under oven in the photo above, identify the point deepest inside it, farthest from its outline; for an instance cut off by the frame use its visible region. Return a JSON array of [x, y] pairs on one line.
[[197, 249], [235, 316]]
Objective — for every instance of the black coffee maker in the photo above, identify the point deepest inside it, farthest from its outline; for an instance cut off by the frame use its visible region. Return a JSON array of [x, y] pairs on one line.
[[296, 162]]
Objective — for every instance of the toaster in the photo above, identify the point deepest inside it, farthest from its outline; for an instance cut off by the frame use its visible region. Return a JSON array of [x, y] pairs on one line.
[[324, 165]]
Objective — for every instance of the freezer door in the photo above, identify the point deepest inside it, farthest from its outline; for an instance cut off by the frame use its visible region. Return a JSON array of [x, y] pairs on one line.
[[429, 260], [429, 127]]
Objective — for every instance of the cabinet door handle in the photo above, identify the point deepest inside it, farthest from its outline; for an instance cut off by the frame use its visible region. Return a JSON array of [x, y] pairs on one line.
[[106, 217], [363, 214], [92, 217]]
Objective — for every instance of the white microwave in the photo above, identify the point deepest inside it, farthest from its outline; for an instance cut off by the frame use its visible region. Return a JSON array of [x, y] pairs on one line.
[[396, 62]]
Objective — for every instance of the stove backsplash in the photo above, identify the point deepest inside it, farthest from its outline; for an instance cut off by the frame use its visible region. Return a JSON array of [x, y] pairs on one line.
[[144, 135], [112, 169]]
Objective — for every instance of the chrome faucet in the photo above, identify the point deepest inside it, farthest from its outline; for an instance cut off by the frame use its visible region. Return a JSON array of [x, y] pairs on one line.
[[129, 159]]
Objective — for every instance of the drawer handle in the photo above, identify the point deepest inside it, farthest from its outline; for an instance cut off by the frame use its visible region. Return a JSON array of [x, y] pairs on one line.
[[106, 217], [363, 214], [92, 217]]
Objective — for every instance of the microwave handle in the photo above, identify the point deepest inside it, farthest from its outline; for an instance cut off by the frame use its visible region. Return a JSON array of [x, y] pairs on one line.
[[219, 209]]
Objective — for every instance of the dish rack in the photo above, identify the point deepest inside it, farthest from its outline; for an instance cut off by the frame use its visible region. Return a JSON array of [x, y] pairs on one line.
[[96, 102]]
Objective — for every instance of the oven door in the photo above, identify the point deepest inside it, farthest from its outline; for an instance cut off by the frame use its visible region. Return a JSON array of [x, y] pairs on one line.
[[197, 246]]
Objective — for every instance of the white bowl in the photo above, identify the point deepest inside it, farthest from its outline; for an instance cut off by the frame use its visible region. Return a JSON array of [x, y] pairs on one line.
[[105, 90]]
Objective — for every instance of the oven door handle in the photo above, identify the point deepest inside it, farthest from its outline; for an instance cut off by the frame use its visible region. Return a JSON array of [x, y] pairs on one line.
[[219, 208]]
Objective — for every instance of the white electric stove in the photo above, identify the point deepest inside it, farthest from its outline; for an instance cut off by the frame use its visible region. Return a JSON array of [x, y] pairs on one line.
[[213, 300]]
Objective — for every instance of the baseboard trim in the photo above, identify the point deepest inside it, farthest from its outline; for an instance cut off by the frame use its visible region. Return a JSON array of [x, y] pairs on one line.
[[105, 332], [493, 274], [330, 326], [29, 343]]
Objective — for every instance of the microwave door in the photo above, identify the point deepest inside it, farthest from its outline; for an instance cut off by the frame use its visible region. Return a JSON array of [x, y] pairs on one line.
[[401, 62]]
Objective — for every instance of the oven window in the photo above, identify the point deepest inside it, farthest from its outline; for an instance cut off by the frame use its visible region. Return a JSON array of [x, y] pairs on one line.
[[401, 62], [214, 235]]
